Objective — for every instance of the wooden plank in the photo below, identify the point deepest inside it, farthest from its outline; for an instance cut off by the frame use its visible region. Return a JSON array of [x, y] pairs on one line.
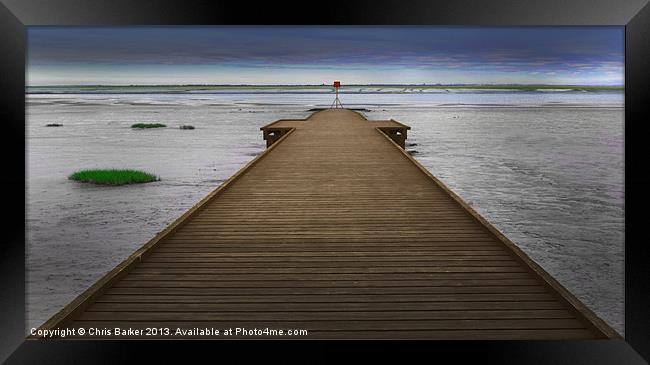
[[118, 303], [300, 287], [254, 278], [123, 319], [320, 240], [297, 256], [324, 269], [451, 251], [194, 295], [306, 235], [337, 246], [145, 314]]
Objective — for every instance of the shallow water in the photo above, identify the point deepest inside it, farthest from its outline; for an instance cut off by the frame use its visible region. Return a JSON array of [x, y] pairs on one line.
[[546, 168]]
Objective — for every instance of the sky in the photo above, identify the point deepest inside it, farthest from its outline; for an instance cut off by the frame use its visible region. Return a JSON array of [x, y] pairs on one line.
[[316, 55]]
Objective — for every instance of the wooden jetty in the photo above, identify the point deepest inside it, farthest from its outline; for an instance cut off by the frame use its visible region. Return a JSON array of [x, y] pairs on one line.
[[336, 230]]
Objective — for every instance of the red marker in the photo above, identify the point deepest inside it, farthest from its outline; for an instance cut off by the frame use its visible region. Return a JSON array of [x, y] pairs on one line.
[[337, 102]]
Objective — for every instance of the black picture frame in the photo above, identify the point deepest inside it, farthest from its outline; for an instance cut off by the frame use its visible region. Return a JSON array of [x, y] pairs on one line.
[[15, 15]]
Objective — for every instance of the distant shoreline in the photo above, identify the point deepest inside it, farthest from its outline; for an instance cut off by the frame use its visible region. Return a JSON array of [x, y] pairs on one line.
[[374, 88]]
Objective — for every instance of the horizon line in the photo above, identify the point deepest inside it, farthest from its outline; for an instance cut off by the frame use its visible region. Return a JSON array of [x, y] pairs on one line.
[[327, 85]]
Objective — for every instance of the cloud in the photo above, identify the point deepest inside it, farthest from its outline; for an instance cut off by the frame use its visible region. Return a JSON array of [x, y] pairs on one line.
[[487, 51]]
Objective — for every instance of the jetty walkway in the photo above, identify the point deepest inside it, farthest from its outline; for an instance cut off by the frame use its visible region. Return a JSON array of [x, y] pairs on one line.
[[336, 230]]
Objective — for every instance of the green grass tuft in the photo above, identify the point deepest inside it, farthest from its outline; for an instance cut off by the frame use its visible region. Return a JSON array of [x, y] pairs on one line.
[[113, 177], [187, 127], [148, 125]]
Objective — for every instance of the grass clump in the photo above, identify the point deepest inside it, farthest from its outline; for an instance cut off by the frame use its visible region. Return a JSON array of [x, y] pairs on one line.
[[187, 127], [148, 125], [113, 177], [54, 125]]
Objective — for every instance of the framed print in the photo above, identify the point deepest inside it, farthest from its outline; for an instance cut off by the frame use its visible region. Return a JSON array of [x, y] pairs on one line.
[[440, 178]]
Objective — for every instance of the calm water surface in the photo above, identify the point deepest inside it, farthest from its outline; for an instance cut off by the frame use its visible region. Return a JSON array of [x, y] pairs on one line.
[[546, 168]]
